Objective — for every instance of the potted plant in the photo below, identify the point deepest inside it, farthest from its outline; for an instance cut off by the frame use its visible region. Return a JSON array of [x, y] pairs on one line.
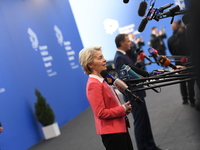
[[46, 117]]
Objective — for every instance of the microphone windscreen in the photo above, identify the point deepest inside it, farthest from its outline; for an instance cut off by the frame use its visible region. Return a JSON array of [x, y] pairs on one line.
[[125, 1], [142, 24], [139, 71], [184, 60], [104, 73], [142, 9], [141, 56], [165, 62]]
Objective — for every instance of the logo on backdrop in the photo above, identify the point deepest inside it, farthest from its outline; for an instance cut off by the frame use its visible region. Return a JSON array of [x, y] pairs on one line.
[[110, 26], [67, 47], [181, 3], [47, 59], [2, 90], [128, 29]]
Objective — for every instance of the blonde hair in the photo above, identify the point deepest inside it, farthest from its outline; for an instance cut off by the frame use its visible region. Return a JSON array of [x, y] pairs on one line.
[[86, 57]]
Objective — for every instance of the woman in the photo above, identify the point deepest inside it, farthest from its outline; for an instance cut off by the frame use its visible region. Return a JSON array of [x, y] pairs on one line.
[[109, 114]]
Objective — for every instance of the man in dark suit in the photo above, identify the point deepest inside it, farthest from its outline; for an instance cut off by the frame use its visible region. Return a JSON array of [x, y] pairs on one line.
[[142, 127], [156, 40], [136, 44]]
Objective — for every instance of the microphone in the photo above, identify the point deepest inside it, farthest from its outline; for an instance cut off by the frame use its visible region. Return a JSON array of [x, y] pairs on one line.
[[184, 60], [142, 55], [171, 11], [139, 71], [130, 71], [142, 8], [142, 24], [149, 16], [125, 1], [134, 74], [121, 86], [165, 7], [166, 62], [154, 53]]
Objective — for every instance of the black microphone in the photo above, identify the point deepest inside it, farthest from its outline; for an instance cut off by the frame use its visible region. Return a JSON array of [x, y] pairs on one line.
[[142, 24], [171, 11], [121, 86], [145, 20], [125, 1], [139, 71], [165, 7], [142, 9]]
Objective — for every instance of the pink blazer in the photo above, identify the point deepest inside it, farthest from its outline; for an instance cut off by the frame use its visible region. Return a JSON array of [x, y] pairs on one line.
[[108, 113]]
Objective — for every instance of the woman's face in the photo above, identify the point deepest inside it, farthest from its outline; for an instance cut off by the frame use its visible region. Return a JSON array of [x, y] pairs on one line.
[[98, 64]]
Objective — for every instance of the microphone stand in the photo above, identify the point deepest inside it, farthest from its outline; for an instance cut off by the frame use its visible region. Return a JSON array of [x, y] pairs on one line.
[[164, 75], [162, 16], [161, 85], [157, 81], [148, 63]]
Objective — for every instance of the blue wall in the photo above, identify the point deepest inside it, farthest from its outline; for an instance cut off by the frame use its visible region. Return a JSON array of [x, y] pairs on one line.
[[39, 47]]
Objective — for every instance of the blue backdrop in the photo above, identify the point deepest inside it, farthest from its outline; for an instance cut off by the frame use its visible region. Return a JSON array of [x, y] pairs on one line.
[[39, 45], [39, 49]]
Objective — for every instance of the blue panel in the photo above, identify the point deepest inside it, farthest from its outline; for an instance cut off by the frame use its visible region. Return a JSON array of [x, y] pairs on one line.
[[39, 49]]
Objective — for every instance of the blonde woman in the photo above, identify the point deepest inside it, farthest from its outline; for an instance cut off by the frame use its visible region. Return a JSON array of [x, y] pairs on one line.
[[109, 113]]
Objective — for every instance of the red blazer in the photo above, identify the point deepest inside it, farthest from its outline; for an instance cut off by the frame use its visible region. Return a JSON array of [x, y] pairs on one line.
[[108, 113]]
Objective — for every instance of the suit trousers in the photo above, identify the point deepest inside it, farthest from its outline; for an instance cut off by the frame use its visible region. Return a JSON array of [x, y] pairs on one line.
[[187, 91], [142, 127], [117, 141]]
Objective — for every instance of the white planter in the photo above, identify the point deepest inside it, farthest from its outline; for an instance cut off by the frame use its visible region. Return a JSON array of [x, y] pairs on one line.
[[51, 131]]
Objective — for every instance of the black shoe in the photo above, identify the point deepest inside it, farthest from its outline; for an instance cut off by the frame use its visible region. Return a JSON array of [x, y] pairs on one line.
[[185, 102], [192, 104]]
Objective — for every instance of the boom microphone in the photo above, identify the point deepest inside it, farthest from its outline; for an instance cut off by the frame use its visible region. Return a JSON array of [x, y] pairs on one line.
[[121, 86], [145, 20], [171, 11], [143, 24], [165, 7], [142, 9], [166, 62], [125, 1]]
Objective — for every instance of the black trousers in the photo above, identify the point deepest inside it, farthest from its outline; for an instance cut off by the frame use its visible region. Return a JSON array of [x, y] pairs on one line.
[[187, 91], [117, 141]]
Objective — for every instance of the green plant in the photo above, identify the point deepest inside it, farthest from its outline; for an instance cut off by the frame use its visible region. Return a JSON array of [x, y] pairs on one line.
[[44, 113]]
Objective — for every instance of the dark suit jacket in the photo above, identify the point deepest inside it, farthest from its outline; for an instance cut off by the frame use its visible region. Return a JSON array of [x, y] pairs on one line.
[[120, 60]]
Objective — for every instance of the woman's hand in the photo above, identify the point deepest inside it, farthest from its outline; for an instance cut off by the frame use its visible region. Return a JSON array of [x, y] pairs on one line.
[[128, 107]]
